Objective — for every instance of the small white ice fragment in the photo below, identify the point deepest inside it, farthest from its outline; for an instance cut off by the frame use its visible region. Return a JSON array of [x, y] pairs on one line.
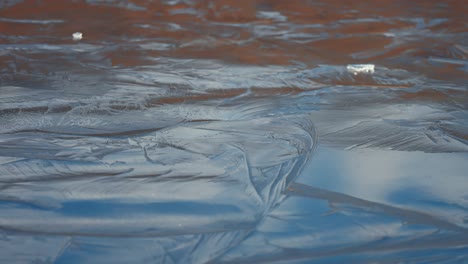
[[77, 36], [360, 68]]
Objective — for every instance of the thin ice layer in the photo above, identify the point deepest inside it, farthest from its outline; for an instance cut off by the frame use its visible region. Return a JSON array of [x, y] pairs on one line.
[[191, 178]]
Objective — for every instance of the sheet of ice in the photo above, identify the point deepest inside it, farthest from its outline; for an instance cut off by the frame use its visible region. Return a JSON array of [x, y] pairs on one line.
[[218, 175], [178, 132]]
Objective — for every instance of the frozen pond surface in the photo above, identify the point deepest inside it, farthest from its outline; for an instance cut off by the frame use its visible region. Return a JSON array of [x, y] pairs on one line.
[[233, 131]]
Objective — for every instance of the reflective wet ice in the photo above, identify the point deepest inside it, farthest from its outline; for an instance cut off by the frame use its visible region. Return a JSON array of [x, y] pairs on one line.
[[233, 132]]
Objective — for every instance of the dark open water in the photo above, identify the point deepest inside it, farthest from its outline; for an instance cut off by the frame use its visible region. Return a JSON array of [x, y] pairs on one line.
[[233, 132]]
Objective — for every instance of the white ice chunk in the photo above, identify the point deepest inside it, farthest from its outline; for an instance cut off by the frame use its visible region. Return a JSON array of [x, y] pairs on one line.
[[77, 36], [360, 68]]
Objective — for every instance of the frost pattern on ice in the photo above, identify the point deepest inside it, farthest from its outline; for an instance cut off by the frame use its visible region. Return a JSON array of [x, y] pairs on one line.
[[218, 175]]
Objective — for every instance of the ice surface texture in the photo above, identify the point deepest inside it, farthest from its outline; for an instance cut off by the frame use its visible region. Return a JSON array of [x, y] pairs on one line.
[[233, 131]]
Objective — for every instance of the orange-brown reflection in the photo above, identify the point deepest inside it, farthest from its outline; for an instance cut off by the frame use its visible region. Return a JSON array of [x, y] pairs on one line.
[[255, 32]]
